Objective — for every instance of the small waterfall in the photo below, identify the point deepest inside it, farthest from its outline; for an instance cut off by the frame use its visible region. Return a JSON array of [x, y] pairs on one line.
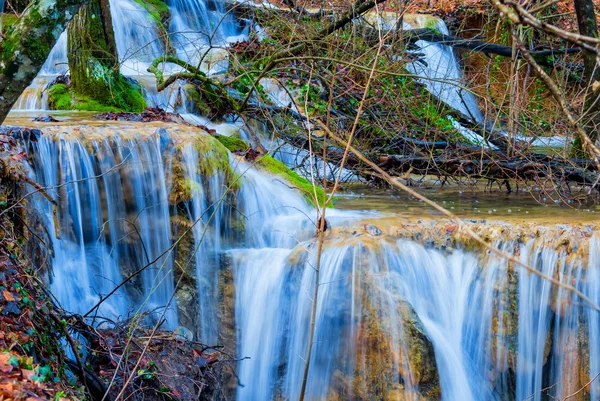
[[593, 318], [35, 96], [499, 333], [207, 210], [442, 73], [126, 185], [396, 319], [136, 35], [356, 296], [274, 214], [83, 266], [113, 219], [193, 30]]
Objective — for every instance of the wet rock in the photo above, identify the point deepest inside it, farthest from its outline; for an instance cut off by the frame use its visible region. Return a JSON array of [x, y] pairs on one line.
[[374, 231], [186, 305], [183, 334], [165, 138], [148, 115], [46, 119]]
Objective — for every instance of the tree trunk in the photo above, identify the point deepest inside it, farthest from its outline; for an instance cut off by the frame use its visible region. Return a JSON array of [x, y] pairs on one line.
[[586, 20], [27, 46], [94, 62], [92, 55]]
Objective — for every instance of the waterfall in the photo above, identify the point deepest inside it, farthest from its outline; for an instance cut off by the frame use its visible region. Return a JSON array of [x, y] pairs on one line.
[[399, 316], [35, 96], [113, 218], [441, 72], [466, 304], [197, 34]]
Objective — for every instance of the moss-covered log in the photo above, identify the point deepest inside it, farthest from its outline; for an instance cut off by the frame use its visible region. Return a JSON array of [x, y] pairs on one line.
[[94, 64], [28, 44]]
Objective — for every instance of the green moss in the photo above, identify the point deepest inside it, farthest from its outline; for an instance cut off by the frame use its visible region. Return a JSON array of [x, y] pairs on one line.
[[128, 95], [8, 47], [306, 187], [432, 24], [213, 158], [233, 144], [8, 21], [192, 93], [61, 98]]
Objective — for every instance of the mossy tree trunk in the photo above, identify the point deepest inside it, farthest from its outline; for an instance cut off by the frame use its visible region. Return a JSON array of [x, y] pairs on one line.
[[28, 44], [586, 21], [93, 60]]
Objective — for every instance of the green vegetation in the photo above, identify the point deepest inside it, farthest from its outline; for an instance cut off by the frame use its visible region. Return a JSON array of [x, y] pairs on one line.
[[61, 97], [306, 187], [157, 9], [8, 21], [232, 143]]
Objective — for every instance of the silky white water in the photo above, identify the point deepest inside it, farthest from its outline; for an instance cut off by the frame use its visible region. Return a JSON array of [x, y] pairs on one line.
[[197, 33], [485, 329], [442, 75]]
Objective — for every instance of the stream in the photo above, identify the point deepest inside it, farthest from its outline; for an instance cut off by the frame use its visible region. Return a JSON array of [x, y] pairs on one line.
[[409, 308]]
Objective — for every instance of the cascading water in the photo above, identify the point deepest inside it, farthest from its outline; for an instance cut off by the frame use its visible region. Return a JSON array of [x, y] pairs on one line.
[[442, 74], [113, 215], [35, 96], [193, 30], [395, 318], [463, 302]]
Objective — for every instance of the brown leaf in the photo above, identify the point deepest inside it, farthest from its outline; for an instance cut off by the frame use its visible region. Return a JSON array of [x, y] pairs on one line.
[[7, 387], [5, 367], [27, 374], [8, 295]]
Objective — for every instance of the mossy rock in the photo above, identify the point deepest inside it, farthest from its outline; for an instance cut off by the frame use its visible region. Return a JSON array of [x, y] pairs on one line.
[[197, 104], [233, 144], [61, 97], [309, 190], [213, 158], [206, 100], [96, 83]]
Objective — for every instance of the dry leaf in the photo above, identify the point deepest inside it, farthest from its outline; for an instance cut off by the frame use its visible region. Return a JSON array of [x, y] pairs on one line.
[[5, 367], [27, 374], [8, 296]]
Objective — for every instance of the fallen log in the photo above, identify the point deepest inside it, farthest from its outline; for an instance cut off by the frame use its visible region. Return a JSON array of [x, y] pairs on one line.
[[514, 168], [477, 45], [457, 161]]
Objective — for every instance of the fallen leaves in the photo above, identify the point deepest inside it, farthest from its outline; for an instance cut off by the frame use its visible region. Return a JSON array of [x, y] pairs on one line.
[[21, 380], [148, 115], [5, 365], [8, 295]]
